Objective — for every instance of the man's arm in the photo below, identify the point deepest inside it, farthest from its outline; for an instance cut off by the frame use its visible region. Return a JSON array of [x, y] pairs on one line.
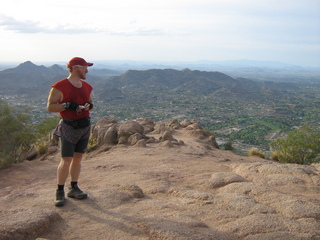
[[55, 96]]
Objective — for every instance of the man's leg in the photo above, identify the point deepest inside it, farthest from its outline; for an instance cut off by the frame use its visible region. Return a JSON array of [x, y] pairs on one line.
[[63, 170], [67, 150], [75, 168], [62, 175]]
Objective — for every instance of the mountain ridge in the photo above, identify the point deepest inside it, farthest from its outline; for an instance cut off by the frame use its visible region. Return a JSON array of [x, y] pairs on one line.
[[192, 82]]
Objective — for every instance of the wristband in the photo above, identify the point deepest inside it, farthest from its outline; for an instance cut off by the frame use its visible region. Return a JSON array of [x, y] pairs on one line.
[[90, 105], [72, 106], [64, 105]]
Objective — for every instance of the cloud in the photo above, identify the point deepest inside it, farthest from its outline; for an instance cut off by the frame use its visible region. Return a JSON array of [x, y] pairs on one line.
[[33, 27], [19, 26]]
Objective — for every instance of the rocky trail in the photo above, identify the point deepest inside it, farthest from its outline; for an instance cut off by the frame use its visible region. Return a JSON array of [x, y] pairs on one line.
[[163, 191]]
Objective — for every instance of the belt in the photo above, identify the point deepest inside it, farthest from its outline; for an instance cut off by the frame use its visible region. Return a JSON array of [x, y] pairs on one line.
[[77, 123]]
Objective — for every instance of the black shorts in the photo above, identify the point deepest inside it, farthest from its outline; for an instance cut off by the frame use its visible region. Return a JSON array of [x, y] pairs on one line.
[[68, 148]]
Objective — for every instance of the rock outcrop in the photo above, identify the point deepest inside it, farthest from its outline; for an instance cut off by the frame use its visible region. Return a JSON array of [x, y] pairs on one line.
[[109, 132]]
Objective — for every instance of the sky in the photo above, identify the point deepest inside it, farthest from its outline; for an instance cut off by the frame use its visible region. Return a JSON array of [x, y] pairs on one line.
[[287, 31]]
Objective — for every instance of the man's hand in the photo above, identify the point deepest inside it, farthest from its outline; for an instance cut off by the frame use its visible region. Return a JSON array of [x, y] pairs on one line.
[[88, 106]]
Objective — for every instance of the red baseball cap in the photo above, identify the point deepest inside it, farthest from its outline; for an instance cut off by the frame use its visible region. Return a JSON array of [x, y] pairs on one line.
[[78, 61]]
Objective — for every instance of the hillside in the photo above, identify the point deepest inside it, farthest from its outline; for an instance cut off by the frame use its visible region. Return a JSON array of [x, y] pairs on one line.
[[163, 190]]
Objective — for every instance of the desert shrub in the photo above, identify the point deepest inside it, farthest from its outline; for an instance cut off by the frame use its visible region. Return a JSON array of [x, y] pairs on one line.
[[257, 153], [41, 148], [275, 156], [301, 146], [93, 143], [228, 146]]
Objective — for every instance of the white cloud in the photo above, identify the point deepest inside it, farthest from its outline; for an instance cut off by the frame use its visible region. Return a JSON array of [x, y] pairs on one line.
[[32, 27]]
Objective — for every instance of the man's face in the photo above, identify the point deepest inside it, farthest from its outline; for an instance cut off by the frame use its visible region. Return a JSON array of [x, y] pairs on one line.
[[81, 71]]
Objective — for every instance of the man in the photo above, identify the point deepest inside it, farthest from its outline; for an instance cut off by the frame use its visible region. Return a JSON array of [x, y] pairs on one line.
[[71, 97]]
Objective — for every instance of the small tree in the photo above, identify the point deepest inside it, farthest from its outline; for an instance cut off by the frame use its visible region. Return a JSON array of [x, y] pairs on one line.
[[300, 146]]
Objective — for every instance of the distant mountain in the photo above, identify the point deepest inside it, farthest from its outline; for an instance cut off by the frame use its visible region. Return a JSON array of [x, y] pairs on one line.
[[34, 81], [251, 69], [216, 84], [269, 67], [252, 64], [167, 79], [29, 79]]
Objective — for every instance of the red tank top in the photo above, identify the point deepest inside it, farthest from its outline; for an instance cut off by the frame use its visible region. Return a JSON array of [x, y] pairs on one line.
[[74, 94]]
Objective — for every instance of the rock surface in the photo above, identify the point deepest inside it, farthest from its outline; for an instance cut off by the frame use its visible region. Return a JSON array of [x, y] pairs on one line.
[[172, 191]]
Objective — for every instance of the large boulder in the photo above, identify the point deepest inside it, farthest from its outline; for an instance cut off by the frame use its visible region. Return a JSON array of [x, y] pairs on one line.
[[167, 136], [147, 124], [194, 129], [160, 128], [174, 124], [187, 122], [127, 129], [134, 138], [111, 136], [105, 131]]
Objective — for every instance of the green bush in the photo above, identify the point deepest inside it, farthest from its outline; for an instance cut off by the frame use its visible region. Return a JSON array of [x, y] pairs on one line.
[[93, 144], [46, 126], [301, 146], [228, 146], [15, 134], [42, 131]]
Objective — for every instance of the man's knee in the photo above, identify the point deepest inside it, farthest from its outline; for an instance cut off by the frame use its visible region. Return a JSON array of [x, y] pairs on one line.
[[66, 161], [77, 157]]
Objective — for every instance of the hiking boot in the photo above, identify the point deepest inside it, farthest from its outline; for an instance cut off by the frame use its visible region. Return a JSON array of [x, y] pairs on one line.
[[77, 193], [60, 199]]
